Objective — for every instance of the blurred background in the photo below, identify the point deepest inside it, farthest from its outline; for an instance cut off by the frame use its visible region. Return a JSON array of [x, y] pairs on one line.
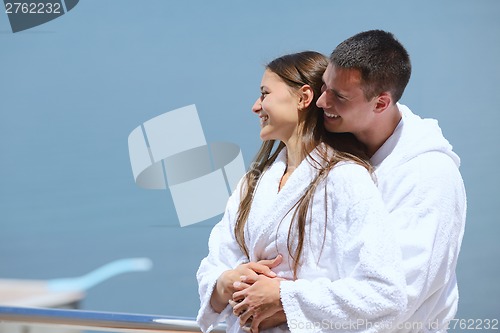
[[73, 89]]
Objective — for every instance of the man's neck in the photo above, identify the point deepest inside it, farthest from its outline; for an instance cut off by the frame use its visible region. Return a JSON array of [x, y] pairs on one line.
[[384, 128]]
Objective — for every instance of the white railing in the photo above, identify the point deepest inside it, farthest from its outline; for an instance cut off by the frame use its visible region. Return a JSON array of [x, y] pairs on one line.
[[109, 321]]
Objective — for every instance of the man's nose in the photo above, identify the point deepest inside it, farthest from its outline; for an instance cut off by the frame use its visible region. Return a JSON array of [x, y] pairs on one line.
[[321, 102]]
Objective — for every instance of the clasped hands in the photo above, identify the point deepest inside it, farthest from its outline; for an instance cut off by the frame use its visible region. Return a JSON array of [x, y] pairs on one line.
[[253, 290]]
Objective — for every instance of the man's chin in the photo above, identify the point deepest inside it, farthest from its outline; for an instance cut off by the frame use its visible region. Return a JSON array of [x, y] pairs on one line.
[[332, 129]]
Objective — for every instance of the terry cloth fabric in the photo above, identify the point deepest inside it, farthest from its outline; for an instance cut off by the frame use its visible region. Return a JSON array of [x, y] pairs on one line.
[[355, 273], [417, 174]]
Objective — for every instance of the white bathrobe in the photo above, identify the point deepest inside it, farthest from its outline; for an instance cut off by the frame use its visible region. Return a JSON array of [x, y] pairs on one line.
[[352, 282], [417, 174]]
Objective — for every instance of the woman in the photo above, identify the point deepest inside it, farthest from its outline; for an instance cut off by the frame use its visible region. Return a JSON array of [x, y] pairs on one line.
[[304, 231]]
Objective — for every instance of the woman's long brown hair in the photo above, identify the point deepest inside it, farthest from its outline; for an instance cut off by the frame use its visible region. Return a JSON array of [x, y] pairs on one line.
[[297, 70]]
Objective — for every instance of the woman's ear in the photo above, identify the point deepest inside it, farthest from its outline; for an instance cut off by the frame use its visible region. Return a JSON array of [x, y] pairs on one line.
[[306, 95]]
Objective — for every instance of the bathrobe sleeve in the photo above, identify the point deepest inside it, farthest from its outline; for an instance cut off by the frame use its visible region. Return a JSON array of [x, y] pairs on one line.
[[224, 254], [369, 296], [427, 203]]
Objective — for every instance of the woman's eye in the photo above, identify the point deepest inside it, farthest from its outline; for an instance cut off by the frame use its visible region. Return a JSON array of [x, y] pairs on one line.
[[263, 94]]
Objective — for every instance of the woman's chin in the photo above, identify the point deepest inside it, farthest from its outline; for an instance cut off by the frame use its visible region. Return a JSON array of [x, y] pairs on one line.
[[267, 137]]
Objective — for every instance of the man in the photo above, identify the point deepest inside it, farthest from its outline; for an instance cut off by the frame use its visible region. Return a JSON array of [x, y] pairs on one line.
[[416, 172], [415, 167]]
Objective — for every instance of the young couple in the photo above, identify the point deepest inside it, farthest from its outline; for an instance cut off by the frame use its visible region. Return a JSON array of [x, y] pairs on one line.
[[352, 215]]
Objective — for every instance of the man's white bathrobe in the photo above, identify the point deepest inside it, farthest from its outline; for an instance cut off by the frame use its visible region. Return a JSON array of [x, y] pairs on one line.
[[350, 278], [417, 174]]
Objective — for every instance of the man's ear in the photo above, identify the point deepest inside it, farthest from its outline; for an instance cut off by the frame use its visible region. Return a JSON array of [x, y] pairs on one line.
[[383, 101], [306, 95]]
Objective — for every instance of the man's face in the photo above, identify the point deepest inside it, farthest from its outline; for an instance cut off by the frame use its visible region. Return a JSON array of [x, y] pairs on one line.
[[344, 104]]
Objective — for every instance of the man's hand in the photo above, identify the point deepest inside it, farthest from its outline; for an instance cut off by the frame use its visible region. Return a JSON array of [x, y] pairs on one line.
[[225, 286], [258, 300]]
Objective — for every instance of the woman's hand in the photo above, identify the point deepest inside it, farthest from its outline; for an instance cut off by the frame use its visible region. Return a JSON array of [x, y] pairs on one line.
[[275, 320], [225, 286]]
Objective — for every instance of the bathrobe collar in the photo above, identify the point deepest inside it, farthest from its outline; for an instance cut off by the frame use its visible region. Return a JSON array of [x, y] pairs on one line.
[[270, 206]]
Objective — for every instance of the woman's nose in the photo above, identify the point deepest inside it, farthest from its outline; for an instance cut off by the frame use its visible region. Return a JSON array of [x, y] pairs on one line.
[[257, 106]]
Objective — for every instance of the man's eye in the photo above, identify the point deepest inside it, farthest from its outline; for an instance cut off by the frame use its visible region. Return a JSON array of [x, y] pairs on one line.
[[323, 88]]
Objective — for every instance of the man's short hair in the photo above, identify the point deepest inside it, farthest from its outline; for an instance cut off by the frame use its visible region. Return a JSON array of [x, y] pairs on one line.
[[383, 62]]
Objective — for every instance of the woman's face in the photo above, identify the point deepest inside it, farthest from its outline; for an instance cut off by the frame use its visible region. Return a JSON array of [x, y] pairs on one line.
[[277, 108]]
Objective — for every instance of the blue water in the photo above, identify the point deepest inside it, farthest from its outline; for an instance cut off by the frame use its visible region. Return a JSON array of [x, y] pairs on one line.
[[73, 89]]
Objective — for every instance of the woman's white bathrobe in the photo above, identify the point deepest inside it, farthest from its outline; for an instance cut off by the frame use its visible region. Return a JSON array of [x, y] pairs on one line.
[[351, 282]]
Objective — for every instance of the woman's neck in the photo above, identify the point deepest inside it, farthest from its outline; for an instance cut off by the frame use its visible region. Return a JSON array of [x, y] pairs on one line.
[[293, 154]]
